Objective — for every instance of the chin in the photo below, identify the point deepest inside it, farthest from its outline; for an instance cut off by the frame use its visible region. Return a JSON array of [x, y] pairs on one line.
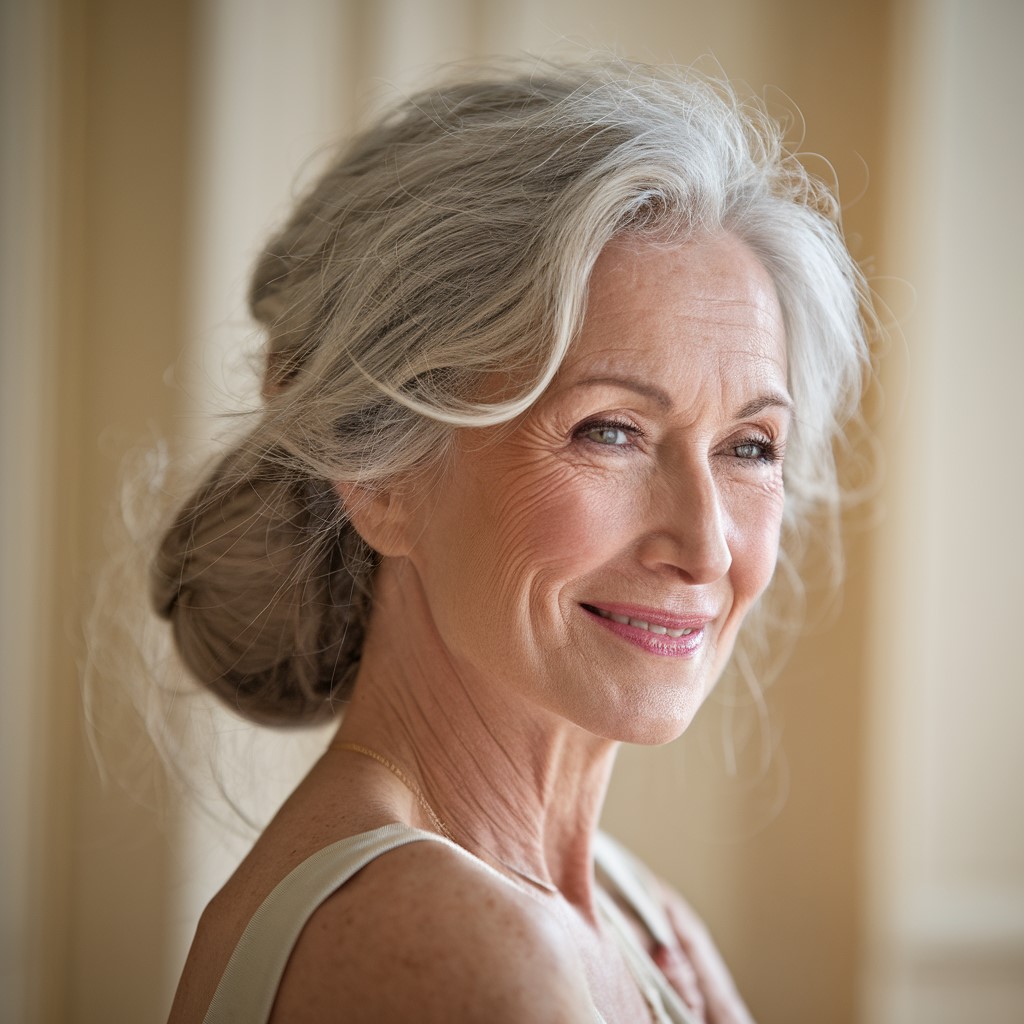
[[655, 732], [650, 719]]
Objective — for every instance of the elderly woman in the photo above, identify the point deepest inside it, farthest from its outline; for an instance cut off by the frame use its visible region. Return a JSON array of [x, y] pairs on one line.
[[538, 348]]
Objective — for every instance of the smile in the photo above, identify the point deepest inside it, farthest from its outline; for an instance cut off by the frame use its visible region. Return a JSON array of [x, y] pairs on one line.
[[671, 636], [651, 627]]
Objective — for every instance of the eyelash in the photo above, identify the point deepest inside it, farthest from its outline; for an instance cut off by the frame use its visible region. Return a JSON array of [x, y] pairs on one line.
[[771, 451]]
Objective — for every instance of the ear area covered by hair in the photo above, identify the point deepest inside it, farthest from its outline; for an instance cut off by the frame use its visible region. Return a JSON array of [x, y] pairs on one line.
[[379, 515]]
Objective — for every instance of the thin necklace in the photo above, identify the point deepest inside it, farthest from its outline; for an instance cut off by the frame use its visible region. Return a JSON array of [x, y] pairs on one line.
[[358, 748], [435, 820]]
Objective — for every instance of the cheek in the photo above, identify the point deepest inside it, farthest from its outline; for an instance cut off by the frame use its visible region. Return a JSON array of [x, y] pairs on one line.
[[540, 529], [501, 541]]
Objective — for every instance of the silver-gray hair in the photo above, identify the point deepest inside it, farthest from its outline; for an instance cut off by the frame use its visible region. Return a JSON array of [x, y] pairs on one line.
[[452, 241]]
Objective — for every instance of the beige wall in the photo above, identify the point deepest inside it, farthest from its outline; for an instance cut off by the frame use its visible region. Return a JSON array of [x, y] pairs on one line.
[[155, 143]]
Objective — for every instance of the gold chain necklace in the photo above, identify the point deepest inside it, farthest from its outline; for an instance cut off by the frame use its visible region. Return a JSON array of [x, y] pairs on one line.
[[358, 748], [435, 820]]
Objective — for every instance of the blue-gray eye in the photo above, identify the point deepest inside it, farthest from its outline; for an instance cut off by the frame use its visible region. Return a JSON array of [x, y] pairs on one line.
[[607, 433], [757, 451], [750, 451]]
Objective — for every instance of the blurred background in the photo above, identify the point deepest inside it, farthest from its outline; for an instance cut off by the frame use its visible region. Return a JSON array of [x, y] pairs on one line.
[[871, 869]]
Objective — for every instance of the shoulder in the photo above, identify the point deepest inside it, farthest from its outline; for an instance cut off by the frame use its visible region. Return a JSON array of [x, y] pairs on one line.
[[426, 933]]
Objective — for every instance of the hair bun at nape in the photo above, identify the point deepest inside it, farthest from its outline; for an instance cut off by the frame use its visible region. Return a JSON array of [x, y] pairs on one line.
[[268, 612]]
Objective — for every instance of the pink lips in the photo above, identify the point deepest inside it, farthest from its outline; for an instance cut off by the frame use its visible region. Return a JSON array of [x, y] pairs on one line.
[[655, 642]]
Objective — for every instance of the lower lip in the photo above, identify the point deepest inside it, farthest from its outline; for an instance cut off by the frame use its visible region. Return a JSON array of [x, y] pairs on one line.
[[685, 646]]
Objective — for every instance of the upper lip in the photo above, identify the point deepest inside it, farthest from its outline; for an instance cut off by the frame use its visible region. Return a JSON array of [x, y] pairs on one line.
[[654, 616]]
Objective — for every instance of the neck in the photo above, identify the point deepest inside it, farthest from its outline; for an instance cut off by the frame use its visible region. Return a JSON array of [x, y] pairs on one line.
[[513, 782]]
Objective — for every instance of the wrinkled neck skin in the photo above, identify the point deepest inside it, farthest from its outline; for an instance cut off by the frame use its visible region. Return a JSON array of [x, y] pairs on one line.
[[517, 785]]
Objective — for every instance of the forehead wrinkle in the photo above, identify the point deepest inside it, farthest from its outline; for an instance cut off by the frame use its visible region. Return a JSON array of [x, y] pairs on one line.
[[605, 364], [607, 324], [762, 367]]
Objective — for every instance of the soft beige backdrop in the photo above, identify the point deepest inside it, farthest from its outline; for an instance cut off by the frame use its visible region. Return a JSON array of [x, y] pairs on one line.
[[874, 870]]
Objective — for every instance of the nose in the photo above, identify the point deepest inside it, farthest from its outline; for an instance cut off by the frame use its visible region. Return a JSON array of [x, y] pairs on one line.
[[686, 532]]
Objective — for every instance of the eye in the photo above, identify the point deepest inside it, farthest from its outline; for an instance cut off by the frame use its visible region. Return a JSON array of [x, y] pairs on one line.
[[757, 449], [608, 433]]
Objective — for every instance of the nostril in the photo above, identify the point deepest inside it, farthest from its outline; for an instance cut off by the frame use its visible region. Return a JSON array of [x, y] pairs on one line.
[[700, 556]]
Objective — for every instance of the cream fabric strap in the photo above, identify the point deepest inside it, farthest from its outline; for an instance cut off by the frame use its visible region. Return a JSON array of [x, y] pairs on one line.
[[248, 987], [249, 984]]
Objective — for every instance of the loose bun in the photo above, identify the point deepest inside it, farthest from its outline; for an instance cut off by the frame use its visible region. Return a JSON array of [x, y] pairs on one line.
[[267, 588]]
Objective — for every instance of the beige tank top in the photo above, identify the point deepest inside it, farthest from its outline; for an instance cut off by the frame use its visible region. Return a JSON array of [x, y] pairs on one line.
[[249, 984]]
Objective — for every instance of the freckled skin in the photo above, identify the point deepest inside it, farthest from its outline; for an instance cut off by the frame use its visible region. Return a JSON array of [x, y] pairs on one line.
[[534, 522]]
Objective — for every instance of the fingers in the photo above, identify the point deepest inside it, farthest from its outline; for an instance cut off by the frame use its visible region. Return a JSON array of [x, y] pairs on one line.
[[681, 975], [722, 1003]]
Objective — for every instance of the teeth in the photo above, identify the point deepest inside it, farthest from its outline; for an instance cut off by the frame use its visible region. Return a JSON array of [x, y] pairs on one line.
[[640, 624]]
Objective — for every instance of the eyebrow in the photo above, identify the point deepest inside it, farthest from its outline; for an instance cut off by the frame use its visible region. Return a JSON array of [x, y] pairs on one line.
[[770, 399], [641, 387]]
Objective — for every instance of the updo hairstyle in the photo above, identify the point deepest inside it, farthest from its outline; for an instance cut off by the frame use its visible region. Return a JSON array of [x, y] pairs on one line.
[[452, 241]]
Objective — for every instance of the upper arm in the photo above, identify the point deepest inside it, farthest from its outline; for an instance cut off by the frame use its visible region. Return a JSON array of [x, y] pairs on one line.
[[422, 934]]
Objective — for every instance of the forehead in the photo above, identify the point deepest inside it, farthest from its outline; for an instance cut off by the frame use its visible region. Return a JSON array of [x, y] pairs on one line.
[[681, 311]]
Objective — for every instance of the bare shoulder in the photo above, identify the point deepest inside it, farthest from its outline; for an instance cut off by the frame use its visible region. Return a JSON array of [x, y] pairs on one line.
[[424, 933]]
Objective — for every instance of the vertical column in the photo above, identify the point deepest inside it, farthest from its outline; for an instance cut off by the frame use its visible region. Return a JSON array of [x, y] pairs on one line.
[[28, 468], [946, 844]]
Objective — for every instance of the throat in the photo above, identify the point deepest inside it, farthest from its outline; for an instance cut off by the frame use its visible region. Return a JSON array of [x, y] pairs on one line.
[[521, 874]]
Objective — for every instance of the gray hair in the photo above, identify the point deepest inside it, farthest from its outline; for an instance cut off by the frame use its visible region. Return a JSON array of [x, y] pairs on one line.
[[454, 240]]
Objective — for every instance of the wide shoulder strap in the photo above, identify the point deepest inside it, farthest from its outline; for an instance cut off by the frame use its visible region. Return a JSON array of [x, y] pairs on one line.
[[249, 984]]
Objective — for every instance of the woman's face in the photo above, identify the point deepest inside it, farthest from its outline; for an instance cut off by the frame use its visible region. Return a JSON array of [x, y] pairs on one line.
[[599, 558]]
